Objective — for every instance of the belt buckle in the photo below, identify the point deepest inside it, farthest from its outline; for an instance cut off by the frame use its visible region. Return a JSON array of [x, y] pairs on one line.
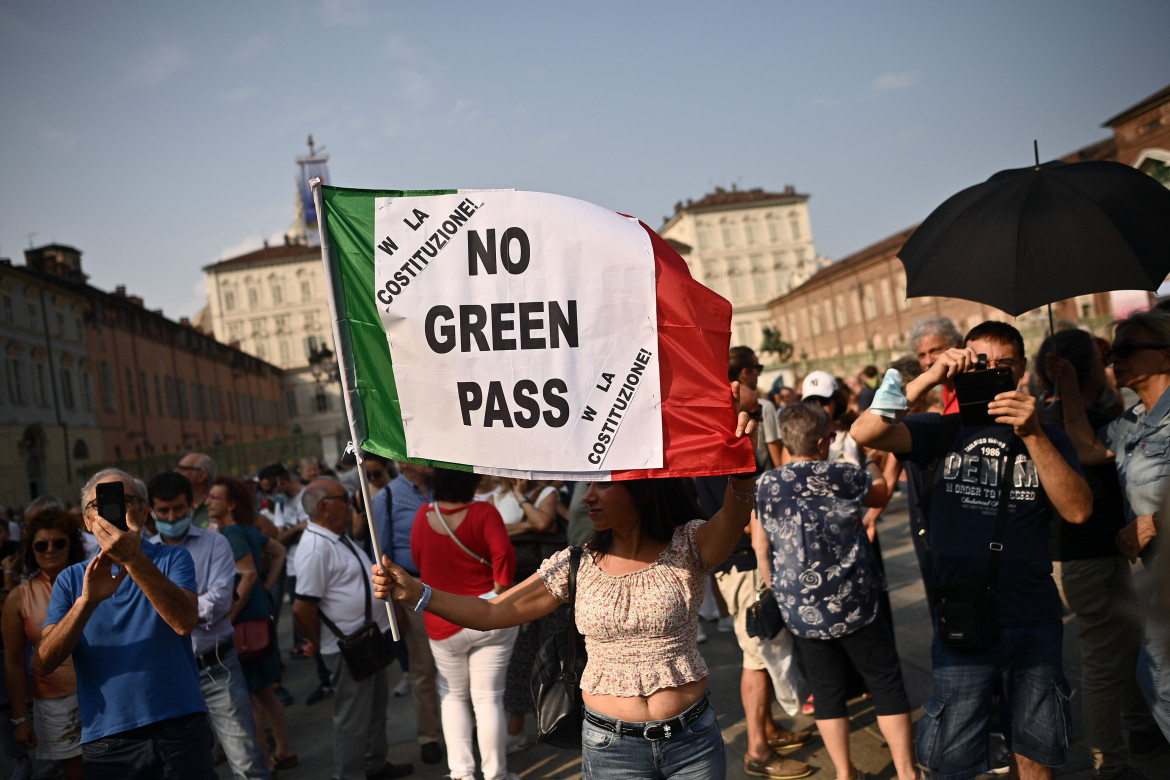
[[660, 731]]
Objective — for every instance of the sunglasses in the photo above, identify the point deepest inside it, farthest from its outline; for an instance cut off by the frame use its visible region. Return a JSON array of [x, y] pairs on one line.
[[60, 543], [1123, 350], [375, 474]]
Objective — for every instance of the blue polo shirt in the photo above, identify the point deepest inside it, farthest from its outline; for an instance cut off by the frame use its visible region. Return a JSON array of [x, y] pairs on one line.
[[132, 668], [394, 526]]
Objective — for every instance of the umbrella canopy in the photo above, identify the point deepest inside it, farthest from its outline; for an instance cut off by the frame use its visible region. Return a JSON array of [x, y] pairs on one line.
[[1031, 236]]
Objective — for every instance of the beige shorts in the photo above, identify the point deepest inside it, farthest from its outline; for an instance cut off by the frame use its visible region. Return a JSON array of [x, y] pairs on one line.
[[738, 589], [57, 723]]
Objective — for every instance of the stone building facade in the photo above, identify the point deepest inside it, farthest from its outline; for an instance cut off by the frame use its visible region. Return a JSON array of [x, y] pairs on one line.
[[749, 246], [271, 303], [48, 419]]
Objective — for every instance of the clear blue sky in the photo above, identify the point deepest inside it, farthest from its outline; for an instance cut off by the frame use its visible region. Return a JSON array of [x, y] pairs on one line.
[[161, 137]]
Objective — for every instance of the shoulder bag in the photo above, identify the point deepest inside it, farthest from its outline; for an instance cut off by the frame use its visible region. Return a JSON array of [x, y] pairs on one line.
[[451, 534], [254, 638], [764, 620], [966, 606], [556, 677], [366, 650]]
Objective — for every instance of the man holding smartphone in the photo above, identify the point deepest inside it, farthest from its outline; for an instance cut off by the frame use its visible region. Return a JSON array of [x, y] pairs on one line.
[[965, 466], [124, 615]]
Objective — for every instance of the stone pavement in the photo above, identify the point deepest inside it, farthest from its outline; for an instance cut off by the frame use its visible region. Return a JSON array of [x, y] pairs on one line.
[[310, 727]]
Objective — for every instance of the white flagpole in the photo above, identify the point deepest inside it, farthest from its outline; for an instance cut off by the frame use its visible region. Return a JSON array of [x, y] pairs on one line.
[[347, 389]]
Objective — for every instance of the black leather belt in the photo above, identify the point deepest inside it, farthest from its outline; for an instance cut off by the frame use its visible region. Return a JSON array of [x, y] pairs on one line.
[[205, 660], [663, 729]]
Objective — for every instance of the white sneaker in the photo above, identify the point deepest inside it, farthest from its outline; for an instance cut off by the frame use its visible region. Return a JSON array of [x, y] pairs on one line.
[[516, 743], [402, 688], [1000, 756], [726, 624]]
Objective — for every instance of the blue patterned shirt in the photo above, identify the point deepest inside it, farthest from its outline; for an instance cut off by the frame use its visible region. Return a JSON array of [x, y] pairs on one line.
[[823, 571]]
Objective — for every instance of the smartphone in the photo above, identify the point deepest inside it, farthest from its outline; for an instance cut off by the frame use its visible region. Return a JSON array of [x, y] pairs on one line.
[[111, 503], [976, 389]]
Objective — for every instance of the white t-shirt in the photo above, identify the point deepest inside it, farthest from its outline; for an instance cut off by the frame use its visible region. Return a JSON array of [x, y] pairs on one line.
[[328, 570], [510, 509], [288, 514]]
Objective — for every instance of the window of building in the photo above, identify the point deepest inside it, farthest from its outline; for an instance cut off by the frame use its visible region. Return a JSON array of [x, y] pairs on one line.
[[32, 316], [235, 330], [253, 297], [261, 351], [704, 238], [277, 295], [172, 398], [749, 233], [106, 377], [259, 326], [290, 403], [829, 315], [215, 403], [842, 314], [229, 300], [86, 390], [855, 305], [227, 402], [80, 450], [158, 402], [60, 324], [78, 329], [727, 237], [280, 323], [774, 230], [322, 400], [200, 399], [9, 313], [40, 394], [130, 391], [144, 392], [306, 291], [184, 406], [285, 352], [66, 389], [887, 297], [870, 303], [794, 226]]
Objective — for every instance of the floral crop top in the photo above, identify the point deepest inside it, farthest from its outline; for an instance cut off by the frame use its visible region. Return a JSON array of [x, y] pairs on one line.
[[640, 628]]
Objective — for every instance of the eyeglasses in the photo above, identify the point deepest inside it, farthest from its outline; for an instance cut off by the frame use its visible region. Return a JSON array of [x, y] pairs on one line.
[[1123, 350], [375, 474], [131, 502], [60, 543]]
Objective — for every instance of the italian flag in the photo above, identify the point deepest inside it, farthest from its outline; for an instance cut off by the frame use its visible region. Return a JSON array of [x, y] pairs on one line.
[[692, 332]]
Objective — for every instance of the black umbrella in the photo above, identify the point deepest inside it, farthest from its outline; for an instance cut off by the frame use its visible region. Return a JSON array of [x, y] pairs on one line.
[[1030, 236]]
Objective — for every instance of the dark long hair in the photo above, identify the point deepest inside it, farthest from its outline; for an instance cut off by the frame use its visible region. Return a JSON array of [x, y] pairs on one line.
[[239, 493], [51, 520], [663, 505]]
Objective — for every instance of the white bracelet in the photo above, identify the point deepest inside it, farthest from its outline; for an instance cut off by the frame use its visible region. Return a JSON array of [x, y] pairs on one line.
[[424, 600]]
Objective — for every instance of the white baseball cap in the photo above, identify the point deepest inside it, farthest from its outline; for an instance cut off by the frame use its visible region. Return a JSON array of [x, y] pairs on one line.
[[819, 384]]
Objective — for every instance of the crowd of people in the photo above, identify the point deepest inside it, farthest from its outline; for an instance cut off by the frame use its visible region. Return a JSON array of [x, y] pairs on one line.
[[145, 645]]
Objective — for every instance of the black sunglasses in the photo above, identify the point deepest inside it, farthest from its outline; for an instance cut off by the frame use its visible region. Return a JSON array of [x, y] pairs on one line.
[[1123, 350], [60, 543]]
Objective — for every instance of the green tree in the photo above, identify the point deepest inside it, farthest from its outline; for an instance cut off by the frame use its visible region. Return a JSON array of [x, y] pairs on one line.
[[774, 343]]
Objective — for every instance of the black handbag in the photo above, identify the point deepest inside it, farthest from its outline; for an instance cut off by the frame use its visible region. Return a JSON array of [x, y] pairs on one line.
[[366, 650], [556, 677], [764, 620], [965, 607]]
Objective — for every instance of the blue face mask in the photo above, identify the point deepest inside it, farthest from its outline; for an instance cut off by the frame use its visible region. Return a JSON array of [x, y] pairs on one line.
[[173, 530]]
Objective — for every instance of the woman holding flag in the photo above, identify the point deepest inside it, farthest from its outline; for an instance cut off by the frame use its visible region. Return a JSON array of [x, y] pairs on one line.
[[639, 588]]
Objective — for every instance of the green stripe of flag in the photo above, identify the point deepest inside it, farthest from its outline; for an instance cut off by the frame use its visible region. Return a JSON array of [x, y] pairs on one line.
[[349, 223]]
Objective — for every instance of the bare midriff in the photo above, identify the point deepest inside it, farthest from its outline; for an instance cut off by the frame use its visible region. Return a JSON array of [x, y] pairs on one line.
[[659, 705]]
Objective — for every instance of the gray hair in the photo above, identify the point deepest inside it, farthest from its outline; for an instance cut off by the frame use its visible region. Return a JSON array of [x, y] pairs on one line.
[[313, 493], [205, 463], [41, 504], [802, 425], [934, 326], [106, 475], [1156, 321]]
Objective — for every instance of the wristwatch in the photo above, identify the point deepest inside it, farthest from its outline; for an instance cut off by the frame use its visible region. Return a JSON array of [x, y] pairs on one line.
[[18, 721]]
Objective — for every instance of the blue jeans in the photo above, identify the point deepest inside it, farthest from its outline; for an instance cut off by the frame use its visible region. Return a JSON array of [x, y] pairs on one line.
[[951, 738], [172, 749], [1153, 674], [695, 754], [230, 711]]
